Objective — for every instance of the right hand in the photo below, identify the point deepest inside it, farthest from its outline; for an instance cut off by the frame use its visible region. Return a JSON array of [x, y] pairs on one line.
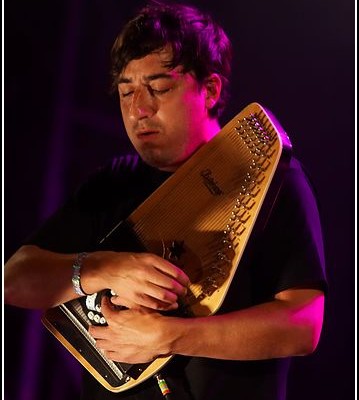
[[138, 279]]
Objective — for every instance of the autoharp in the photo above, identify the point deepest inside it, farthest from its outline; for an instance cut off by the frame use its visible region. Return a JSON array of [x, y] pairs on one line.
[[201, 219]]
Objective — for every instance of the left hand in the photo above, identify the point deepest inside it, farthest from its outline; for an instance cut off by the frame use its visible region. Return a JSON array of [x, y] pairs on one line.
[[132, 336]]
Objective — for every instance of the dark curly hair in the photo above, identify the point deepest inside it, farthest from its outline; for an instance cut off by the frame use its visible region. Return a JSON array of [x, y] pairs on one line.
[[198, 43]]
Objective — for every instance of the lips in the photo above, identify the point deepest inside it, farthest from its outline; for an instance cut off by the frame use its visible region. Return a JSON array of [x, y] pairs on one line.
[[146, 134]]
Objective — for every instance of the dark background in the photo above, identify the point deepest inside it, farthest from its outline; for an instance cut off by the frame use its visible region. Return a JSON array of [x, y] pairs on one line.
[[295, 57]]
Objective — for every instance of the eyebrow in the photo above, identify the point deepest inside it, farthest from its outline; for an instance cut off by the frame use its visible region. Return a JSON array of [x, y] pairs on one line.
[[148, 78]]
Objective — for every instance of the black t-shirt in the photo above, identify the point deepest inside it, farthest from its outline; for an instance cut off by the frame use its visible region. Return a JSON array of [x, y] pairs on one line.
[[288, 253]]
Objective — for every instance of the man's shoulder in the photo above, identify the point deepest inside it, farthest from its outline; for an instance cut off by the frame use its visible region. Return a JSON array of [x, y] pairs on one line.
[[298, 181]]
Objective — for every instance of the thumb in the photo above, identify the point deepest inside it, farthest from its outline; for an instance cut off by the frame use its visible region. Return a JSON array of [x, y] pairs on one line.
[[106, 307]]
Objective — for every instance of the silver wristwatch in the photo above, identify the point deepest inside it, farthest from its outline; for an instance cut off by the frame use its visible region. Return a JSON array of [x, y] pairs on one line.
[[76, 280]]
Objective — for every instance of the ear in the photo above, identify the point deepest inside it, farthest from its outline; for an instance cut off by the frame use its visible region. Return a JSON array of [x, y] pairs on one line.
[[213, 87]]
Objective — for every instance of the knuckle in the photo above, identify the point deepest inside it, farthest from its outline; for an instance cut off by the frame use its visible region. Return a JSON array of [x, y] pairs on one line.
[[149, 257]]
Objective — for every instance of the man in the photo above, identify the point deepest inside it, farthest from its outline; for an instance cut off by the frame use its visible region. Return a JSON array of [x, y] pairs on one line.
[[171, 66]]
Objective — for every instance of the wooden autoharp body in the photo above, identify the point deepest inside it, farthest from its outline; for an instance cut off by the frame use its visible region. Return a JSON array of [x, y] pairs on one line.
[[200, 219]]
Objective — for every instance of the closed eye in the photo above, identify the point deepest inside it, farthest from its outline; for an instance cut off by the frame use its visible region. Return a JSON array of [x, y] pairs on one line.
[[156, 91], [127, 94], [151, 91]]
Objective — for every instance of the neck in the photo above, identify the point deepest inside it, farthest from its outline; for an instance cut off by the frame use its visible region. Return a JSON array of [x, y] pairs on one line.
[[213, 128]]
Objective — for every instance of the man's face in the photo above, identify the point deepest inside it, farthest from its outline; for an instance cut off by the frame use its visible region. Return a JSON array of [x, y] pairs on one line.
[[165, 112]]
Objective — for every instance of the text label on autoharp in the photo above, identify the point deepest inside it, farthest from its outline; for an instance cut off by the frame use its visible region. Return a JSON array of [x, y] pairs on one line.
[[210, 183]]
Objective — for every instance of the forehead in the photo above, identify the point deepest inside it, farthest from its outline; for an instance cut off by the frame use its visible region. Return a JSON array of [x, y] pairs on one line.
[[152, 63]]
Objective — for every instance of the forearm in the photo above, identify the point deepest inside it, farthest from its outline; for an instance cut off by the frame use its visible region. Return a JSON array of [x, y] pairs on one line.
[[37, 278], [271, 330]]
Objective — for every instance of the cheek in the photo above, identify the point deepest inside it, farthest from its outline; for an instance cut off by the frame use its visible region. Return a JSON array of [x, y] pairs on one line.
[[123, 110], [190, 108], [125, 119], [195, 106]]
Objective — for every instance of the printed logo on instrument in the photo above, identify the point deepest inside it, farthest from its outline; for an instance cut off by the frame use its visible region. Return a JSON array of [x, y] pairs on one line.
[[210, 182]]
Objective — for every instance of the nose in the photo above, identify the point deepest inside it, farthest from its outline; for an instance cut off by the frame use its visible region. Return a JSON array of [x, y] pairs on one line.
[[142, 105]]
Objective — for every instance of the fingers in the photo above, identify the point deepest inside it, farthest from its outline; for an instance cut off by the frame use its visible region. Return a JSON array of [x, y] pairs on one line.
[[144, 300], [142, 279], [159, 291], [121, 301], [106, 307], [155, 282], [179, 279], [164, 275], [130, 335]]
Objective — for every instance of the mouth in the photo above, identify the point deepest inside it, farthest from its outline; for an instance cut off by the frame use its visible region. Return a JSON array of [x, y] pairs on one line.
[[146, 134]]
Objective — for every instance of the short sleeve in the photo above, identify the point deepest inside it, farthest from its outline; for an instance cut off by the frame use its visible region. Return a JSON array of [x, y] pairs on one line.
[[291, 251]]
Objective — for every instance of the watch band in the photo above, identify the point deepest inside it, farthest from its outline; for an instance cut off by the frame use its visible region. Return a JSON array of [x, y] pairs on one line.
[[76, 276]]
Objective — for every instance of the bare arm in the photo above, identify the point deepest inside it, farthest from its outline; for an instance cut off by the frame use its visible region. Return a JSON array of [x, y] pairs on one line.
[[289, 325], [37, 278]]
